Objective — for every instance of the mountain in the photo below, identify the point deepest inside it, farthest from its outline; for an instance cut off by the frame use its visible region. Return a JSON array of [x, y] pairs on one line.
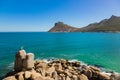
[[112, 24], [61, 27]]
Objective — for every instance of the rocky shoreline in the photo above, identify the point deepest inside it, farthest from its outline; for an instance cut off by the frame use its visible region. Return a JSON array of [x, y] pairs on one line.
[[26, 68]]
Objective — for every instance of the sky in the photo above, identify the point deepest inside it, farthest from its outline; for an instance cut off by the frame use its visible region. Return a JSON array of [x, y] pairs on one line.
[[41, 15]]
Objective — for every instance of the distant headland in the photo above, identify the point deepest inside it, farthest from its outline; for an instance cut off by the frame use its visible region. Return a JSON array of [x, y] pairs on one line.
[[107, 25]]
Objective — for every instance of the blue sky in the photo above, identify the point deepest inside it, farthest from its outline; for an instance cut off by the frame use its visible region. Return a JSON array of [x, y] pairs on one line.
[[40, 15]]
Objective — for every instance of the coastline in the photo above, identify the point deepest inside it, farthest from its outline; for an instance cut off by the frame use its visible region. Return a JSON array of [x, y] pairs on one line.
[[31, 69], [86, 32], [60, 32]]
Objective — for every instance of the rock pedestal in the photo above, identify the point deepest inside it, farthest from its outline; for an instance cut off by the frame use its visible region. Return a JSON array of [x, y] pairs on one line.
[[28, 62], [20, 56], [23, 61]]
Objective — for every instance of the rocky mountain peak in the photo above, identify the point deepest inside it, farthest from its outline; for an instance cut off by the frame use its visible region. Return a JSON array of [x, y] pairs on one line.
[[59, 23], [61, 27], [114, 17]]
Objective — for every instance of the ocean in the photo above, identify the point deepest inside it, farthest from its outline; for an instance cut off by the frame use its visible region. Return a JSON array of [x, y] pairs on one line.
[[93, 48]]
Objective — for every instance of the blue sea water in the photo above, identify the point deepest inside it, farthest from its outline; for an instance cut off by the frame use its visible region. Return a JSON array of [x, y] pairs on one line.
[[93, 48]]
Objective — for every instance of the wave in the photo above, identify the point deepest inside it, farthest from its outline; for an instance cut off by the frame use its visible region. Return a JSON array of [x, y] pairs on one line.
[[5, 68], [10, 66]]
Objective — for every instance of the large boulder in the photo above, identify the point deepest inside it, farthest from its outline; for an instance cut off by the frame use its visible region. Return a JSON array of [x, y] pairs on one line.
[[68, 78], [10, 78], [55, 75], [75, 77], [76, 64], [20, 56], [50, 71], [83, 77], [103, 76], [115, 76], [27, 74], [28, 62], [40, 64], [58, 66], [35, 75], [86, 71], [95, 68], [20, 77]]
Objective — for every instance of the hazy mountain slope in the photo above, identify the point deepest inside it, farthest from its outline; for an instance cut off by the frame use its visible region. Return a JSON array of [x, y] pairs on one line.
[[111, 24]]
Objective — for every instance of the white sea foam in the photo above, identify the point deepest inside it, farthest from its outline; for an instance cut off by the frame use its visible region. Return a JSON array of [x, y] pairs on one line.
[[10, 66], [73, 60], [47, 60]]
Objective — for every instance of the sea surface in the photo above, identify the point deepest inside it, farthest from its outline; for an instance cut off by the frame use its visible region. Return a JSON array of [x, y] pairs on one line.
[[101, 49]]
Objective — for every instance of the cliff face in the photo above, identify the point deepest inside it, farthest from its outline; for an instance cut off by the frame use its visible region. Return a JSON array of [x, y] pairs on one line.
[[61, 27], [111, 24]]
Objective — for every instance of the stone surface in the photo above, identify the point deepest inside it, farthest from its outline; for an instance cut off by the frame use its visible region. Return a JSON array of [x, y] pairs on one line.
[[95, 68], [35, 74], [10, 78], [20, 56], [27, 74], [50, 71], [68, 78], [55, 75], [103, 76], [83, 77], [40, 64], [28, 62], [115, 76], [20, 77]]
